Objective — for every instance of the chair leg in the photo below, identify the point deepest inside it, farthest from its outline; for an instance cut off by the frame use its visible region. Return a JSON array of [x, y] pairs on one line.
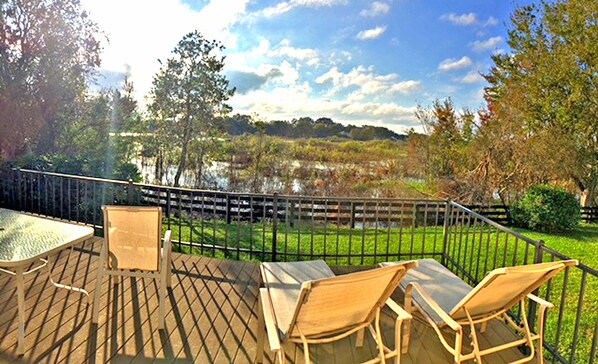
[[409, 309], [458, 346], [162, 303], [359, 338], [379, 337], [474, 339], [169, 270], [261, 332], [97, 294], [483, 327], [306, 352], [542, 316], [399, 337]]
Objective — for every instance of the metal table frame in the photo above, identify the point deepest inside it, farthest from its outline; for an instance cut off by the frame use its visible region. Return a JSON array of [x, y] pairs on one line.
[[17, 267]]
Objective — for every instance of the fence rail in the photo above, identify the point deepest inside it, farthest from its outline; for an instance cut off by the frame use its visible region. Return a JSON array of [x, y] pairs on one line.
[[589, 214], [342, 231]]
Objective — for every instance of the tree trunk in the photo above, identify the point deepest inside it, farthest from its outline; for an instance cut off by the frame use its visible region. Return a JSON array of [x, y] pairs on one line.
[[586, 198], [199, 174], [159, 168], [182, 164], [185, 148]]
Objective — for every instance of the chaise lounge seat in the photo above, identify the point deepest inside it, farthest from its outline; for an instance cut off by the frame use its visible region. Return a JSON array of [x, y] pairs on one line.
[[447, 301], [305, 303]]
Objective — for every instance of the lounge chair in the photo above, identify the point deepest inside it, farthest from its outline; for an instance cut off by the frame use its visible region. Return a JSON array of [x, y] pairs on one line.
[[305, 303], [132, 248], [447, 301]]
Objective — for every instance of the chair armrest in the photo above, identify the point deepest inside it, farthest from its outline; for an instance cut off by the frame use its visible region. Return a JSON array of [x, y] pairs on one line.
[[540, 301], [429, 302], [269, 320], [402, 314]]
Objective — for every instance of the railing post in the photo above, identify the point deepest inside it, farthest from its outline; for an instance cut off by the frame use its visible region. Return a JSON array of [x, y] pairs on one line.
[[227, 213], [274, 224], [533, 306], [168, 205], [19, 191], [130, 192], [448, 210]]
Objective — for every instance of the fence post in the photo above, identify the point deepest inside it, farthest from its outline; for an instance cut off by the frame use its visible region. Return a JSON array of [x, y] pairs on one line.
[[533, 307], [448, 211], [130, 191], [274, 224], [352, 217]]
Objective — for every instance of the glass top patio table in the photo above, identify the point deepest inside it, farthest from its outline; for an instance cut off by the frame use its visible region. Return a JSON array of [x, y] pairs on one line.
[[25, 238]]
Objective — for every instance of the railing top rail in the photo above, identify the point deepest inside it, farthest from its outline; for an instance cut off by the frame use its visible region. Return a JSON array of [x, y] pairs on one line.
[[581, 266], [260, 195], [496, 225], [73, 176]]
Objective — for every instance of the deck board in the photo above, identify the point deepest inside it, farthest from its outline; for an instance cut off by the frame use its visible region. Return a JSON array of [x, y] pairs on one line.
[[211, 317]]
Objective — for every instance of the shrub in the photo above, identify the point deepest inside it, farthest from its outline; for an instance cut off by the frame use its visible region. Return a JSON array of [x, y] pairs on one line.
[[545, 208]]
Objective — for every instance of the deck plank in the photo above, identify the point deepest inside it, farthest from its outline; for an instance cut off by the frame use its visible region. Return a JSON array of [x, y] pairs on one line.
[[211, 316]]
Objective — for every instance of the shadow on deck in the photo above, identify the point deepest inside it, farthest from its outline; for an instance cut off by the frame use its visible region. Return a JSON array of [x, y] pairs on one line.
[[211, 318]]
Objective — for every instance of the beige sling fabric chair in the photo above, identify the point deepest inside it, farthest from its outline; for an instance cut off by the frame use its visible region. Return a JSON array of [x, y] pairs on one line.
[[446, 301], [132, 248], [305, 303]]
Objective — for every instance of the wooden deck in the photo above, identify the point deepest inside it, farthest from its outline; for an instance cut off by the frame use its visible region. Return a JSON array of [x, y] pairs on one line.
[[211, 318]]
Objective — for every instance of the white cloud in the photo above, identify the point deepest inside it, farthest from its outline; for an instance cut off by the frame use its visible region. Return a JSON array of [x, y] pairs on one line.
[[389, 110], [365, 82], [484, 45], [472, 77], [491, 21], [287, 6], [468, 19], [406, 87], [451, 64], [463, 19], [371, 33], [284, 49], [377, 8], [139, 42], [361, 77]]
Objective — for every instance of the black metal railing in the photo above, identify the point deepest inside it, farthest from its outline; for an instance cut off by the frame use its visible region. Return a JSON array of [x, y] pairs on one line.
[[342, 231]]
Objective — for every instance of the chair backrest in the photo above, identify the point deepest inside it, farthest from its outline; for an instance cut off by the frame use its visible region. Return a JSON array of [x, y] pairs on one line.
[[132, 235], [332, 305], [502, 288]]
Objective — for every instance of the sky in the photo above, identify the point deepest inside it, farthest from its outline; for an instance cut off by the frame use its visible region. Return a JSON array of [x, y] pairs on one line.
[[356, 62]]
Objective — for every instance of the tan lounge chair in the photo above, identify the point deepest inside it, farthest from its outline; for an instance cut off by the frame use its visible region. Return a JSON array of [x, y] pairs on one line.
[[445, 300], [305, 303], [132, 248]]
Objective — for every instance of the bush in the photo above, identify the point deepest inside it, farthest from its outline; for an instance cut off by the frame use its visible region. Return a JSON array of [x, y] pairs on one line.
[[544, 208]]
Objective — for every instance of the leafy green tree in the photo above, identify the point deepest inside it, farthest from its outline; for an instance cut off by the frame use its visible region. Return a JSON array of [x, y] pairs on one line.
[[188, 95], [49, 50], [547, 87]]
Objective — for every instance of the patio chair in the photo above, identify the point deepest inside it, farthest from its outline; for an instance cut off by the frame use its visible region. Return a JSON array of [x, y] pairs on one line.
[[305, 303], [132, 248], [447, 301]]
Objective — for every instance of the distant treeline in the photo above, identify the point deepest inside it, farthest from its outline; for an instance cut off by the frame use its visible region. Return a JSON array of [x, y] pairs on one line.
[[306, 127]]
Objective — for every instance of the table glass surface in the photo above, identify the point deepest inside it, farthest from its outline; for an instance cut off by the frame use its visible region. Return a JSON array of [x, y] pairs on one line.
[[24, 237]]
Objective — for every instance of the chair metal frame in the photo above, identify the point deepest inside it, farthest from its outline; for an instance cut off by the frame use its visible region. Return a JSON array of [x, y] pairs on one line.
[[163, 274]]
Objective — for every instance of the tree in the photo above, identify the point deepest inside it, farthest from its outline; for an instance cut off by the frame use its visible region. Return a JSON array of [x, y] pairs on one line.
[[547, 88], [49, 50], [188, 96]]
